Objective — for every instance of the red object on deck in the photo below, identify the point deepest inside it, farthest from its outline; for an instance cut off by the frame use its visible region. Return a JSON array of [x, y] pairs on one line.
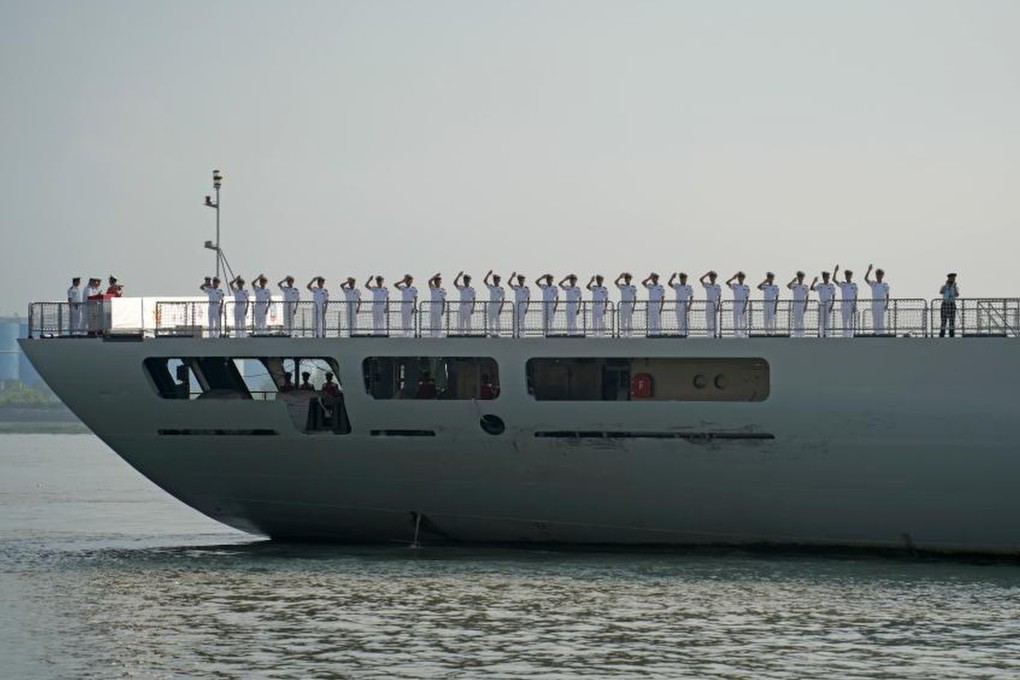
[[641, 386]]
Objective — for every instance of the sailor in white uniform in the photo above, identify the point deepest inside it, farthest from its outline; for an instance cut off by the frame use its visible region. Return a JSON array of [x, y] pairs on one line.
[[879, 299], [628, 300], [215, 312], [74, 306], [263, 297], [826, 294], [599, 303], [741, 293], [467, 303], [352, 304], [770, 301], [713, 294], [849, 305], [408, 304], [684, 299], [291, 296], [522, 299], [572, 293], [799, 289], [240, 306], [550, 301], [437, 305], [380, 305], [494, 309], [320, 298], [656, 301], [89, 308]]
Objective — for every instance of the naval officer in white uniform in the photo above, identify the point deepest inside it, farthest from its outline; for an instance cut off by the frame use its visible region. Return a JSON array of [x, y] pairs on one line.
[[550, 301], [437, 305], [408, 304], [380, 305], [352, 304], [799, 289], [89, 310], [628, 299], [320, 298], [215, 312], [291, 296], [770, 301], [713, 294], [74, 306], [741, 293], [684, 299], [848, 307], [522, 300], [240, 306], [263, 297], [572, 293], [879, 299], [599, 303], [494, 308], [826, 296], [467, 303], [656, 301]]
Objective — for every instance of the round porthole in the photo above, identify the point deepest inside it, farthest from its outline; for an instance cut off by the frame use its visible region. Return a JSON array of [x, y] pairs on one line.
[[700, 382], [721, 382], [492, 424]]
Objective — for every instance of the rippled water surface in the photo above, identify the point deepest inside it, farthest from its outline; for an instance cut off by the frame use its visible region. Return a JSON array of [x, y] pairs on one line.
[[104, 576]]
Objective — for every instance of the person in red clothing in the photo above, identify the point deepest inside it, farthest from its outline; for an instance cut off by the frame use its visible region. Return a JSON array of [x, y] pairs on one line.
[[115, 289], [488, 390]]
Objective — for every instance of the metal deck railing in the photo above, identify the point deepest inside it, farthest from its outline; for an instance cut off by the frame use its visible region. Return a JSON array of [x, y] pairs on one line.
[[150, 317]]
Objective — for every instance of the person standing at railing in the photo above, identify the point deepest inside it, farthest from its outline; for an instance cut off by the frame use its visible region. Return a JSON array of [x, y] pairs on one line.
[[879, 299], [572, 293], [599, 302], [320, 298], [628, 299], [550, 301], [437, 305], [212, 290], [408, 303], [656, 301], [352, 302], [262, 300], [800, 302], [849, 304], [522, 298], [291, 296], [770, 301], [240, 306], [826, 294], [949, 292], [684, 297], [467, 302], [494, 310], [741, 294], [88, 304], [713, 294], [74, 306], [380, 301]]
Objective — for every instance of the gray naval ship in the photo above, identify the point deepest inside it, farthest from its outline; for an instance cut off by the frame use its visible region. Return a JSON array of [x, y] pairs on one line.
[[502, 425]]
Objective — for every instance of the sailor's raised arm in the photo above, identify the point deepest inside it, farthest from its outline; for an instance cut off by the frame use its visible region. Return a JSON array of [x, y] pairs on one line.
[[563, 280], [814, 282], [834, 271], [703, 277], [867, 274], [487, 279], [764, 282], [314, 279], [731, 279], [279, 284], [456, 280], [368, 283], [619, 278], [644, 281], [590, 281]]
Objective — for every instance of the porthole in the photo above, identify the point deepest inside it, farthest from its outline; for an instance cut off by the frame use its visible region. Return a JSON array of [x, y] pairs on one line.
[[721, 382], [492, 424], [700, 382]]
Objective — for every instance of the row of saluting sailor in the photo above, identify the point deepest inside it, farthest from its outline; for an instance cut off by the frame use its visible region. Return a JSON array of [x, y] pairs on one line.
[[550, 292]]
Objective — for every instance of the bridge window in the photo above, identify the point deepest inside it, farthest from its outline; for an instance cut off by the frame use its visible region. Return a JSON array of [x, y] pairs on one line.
[[648, 379], [431, 377]]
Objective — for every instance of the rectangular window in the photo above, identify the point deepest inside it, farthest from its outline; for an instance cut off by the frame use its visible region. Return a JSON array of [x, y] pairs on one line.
[[431, 377], [648, 379]]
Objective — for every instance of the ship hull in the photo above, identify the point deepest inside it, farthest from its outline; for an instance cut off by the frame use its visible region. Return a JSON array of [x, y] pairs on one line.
[[871, 443]]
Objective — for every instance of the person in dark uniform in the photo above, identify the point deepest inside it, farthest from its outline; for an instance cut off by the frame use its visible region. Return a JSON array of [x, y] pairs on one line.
[[949, 293]]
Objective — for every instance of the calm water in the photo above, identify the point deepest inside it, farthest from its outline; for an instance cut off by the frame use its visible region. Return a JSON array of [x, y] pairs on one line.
[[104, 576]]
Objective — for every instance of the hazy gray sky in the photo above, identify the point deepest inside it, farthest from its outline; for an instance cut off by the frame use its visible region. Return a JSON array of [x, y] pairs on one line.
[[575, 135]]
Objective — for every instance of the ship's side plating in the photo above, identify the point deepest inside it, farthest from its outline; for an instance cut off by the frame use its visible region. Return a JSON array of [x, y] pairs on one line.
[[860, 442]]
